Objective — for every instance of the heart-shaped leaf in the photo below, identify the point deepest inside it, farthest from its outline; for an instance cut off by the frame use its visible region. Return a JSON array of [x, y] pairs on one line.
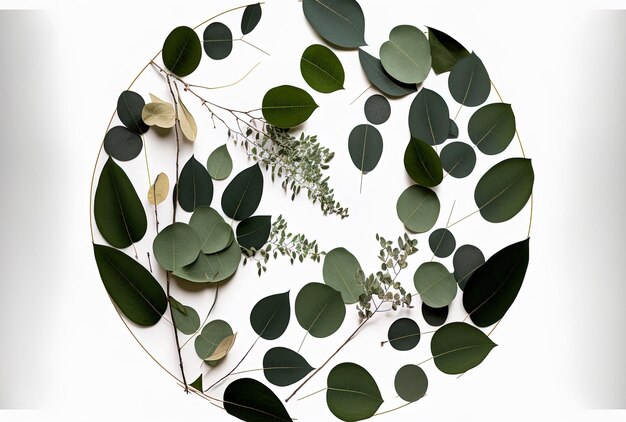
[[429, 117], [321, 69], [220, 164], [341, 272], [159, 190], [340, 22], [458, 159], [195, 187], [129, 108], [406, 56], [469, 81], [186, 318], [253, 232], [122, 144], [404, 334], [418, 208], [458, 347], [251, 18], [422, 163], [251, 401], [287, 106], [175, 246], [352, 394], [182, 51], [365, 145], [243, 194], [283, 366], [411, 383], [379, 77], [320, 309], [445, 50], [492, 127], [270, 316], [215, 235], [218, 41]]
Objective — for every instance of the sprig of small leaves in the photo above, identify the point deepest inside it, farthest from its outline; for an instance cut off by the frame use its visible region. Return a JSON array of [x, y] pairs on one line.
[[383, 284]]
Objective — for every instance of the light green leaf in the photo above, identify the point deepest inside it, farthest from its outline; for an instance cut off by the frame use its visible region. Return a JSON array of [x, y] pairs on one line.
[[186, 318], [340, 272], [215, 235], [380, 78], [418, 208], [175, 246], [435, 284], [212, 268], [220, 164], [320, 309], [406, 56], [210, 338]]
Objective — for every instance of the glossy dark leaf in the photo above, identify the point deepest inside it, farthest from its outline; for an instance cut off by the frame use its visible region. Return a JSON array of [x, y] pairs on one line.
[[186, 318], [404, 334], [287, 106], [251, 401], [182, 51], [195, 187], [243, 194], [118, 211], [469, 81], [458, 347], [340, 22], [131, 287], [283, 366], [435, 284], [493, 287], [467, 259], [435, 316], [445, 50], [217, 41], [122, 144], [352, 394], [442, 243], [379, 77], [270, 316], [253, 232], [175, 246], [458, 159], [320, 309], [129, 108], [251, 18], [429, 117], [422, 163], [215, 235], [377, 109], [365, 145], [492, 127], [340, 271], [197, 384], [418, 208], [454, 130], [321, 69], [220, 164], [406, 56], [210, 337], [411, 383]]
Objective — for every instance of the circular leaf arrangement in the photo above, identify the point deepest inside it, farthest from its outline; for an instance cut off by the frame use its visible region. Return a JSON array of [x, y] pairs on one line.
[[160, 252]]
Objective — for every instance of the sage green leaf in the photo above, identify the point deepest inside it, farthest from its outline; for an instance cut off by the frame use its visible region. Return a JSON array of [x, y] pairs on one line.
[[131, 287], [243, 194], [422, 163], [458, 347], [492, 127], [453, 133], [445, 50], [404, 334], [212, 268], [320, 309], [270, 316], [287, 106], [352, 394], [377, 109], [469, 81], [215, 235], [418, 208], [411, 383], [129, 109], [429, 117], [406, 56], [122, 144], [321, 69], [217, 41], [251, 401], [365, 145], [220, 164], [493, 287], [435, 284], [458, 159], [503, 191], [182, 51], [186, 318], [467, 259], [377, 75], [118, 212], [442, 243], [435, 316], [340, 22], [341, 272], [195, 187], [283, 366], [175, 246], [251, 18], [253, 232], [210, 337], [197, 384]]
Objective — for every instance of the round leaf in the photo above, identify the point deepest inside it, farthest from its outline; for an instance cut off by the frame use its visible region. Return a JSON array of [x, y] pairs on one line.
[[283, 366], [220, 164], [492, 127], [270, 316], [218, 41], [159, 190], [212, 268], [129, 108], [251, 401], [243, 194], [377, 109], [406, 56], [210, 337], [175, 246], [404, 334], [320, 309], [341, 272], [429, 117], [215, 235], [377, 75], [469, 81], [186, 318], [122, 144], [453, 133], [435, 316], [251, 18], [321, 69], [435, 284], [365, 145], [458, 159], [195, 187], [340, 22], [458, 347], [503, 191], [418, 208], [352, 394], [182, 51], [442, 243], [422, 163], [253, 232], [467, 259], [411, 383], [287, 106], [445, 50]]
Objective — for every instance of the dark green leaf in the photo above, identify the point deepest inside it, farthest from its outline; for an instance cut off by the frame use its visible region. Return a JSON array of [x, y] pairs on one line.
[[215, 235], [220, 164], [492, 127], [493, 287], [442, 243], [195, 187], [458, 347], [175, 246], [454, 130], [210, 337], [503, 191], [422, 163], [131, 287], [182, 51], [287, 106], [434, 316], [320, 309], [411, 383], [197, 384], [251, 18], [406, 56], [404, 334], [212, 268], [270, 316], [467, 259], [340, 272], [377, 75], [458, 159], [321, 69], [352, 394], [340, 22], [118, 212], [469, 81], [186, 318], [243, 194], [429, 117], [365, 145], [377, 109], [253, 232], [435, 284], [283, 366], [418, 208], [445, 50], [129, 108], [251, 401], [218, 41]]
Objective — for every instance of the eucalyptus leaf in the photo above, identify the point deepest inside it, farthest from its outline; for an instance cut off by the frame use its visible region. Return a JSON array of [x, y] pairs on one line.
[[182, 51], [340, 22], [365, 145], [270, 316], [445, 50], [493, 287], [453, 133], [406, 56], [429, 117], [243, 194], [504, 190], [341, 272], [186, 318], [435, 284], [283, 366], [422, 163], [175, 246], [467, 259], [118, 212], [320, 309], [210, 338], [220, 164], [129, 108], [122, 144], [159, 113], [159, 190], [195, 187], [435, 316], [187, 123], [321, 69], [458, 347], [411, 383], [404, 334], [212, 268], [492, 127], [352, 394], [469, 81], [215, 235], [131, 287], [379, 77], [458, 159], [222, 349], [377, 109], [442, 243], [251, 18], [197, 384], [418, 208], [217, 41], [287, 106], [253, 232], [251, 401]]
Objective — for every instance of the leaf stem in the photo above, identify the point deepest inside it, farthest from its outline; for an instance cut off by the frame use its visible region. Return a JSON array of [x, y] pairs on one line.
[[361, 94], [236, 366], [312, 394], [253, 46]]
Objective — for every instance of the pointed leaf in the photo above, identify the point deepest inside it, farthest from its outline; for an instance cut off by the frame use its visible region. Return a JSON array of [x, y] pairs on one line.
[[187, 122], [159, 190], [429, 117], [197, 384], [365, 145], [340, 22], [182, 51], [287, 106], [469, 81], [251, 401], [458, 347], [352, 393], [270, 316], [458, 159], [210, 338], [243, 194], [220, 164], [404, 334], [467, 259], [251, 18], [129, 108], [340, 272], [253, 232], [406, 56], [175, 246], [435, 284], [283, 366], [492, 127], [320, 309], [377, 75], [215, 235], [445, 50], [422, 163], [411, 383], [218, 41], [321, 69], [186, 318], [418, 208], [122, 144], [195, 187]]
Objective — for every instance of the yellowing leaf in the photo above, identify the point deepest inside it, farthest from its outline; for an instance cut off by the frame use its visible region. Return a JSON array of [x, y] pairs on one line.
[[158, 192], [187, 122], [222, 349], [156, 99], [158, 113]]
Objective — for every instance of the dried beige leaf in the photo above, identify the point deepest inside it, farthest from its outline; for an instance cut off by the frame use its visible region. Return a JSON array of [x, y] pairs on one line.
[[222, 349], [187, 122], [156, 99], [158, 113], [158, 192]]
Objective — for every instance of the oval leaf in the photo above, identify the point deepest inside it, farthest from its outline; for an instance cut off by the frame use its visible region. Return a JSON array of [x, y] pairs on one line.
[[220, 164], [187, 122], [365, 145], [283, 366], [469, 81], [321, 69], [212, 268], [467, 259], [422, 163], [435, 316], [243, 194], [159, 190], [222, 349], [186, 318], [195, 187], [122, 144], [418, 208], [175, 246], [131, 287], [270, 316], [458, 159], [251, 18], [253, 232], [429, 117], [341, 272], [435, 284], [352, 394], [445, 50], [411, 383], [493, 287], [406, 56], [159, 113], [320, 309], [377, 75], [251, 401], [218, 41], [404, 334], [182, 51], [215, 235], [377, 109], [210, 338], [458, 347], [340, 22], [442, 243], [118, 212], [503, 191], [287, 106], [129, 108], [492, 128]]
